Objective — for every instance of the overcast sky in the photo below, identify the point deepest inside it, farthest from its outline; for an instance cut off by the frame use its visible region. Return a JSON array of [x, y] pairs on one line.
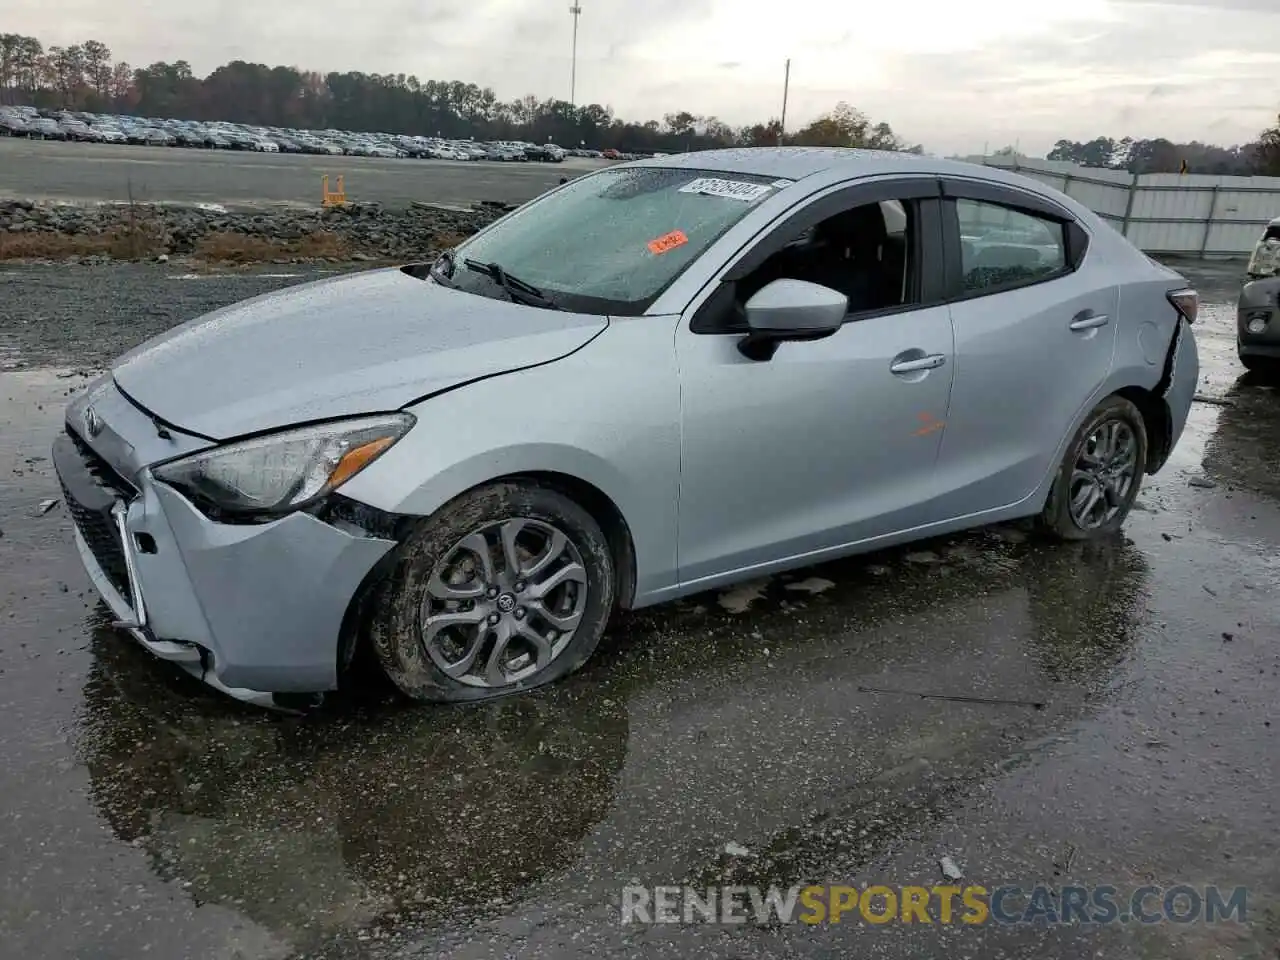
[[953, 76]]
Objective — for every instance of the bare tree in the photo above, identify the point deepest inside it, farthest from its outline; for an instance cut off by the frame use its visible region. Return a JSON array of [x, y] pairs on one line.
[[97, 67]]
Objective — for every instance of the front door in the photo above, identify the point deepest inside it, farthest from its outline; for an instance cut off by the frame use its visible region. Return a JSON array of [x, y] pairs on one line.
[[829, 442]]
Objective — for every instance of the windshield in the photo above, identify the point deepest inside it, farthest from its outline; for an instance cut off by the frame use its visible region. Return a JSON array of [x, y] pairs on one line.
[[611, 242]]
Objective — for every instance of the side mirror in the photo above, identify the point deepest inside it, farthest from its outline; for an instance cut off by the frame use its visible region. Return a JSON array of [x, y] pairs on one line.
[[791, 310]]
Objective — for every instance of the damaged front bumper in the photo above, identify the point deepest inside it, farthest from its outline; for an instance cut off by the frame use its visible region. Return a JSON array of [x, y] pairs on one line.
[[1258, 319], [253, 610]]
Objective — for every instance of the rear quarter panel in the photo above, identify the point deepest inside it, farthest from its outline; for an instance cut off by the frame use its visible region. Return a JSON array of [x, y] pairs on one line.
[[1146, 320], [1147, 325]]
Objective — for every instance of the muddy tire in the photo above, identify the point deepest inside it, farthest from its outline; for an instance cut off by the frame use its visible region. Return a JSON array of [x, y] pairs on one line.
[[1100, 474], [504, 589]]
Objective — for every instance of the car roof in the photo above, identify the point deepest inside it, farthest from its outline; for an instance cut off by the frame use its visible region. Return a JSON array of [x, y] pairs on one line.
[[796, 163]]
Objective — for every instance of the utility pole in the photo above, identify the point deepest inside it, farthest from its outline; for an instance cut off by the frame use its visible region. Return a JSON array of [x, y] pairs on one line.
[[575, 11], [786, 86]]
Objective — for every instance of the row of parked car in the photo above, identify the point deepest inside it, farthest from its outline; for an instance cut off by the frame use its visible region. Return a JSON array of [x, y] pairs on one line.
[[24, 121]]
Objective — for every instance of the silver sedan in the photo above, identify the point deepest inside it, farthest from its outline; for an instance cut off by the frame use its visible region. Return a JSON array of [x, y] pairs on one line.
[[657, 379]]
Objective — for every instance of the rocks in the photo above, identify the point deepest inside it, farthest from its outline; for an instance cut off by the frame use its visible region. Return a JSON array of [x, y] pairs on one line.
[[133, 231]]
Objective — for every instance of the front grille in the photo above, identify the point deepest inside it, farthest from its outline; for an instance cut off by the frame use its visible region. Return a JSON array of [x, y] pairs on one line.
[[92, 514], [101, 471]]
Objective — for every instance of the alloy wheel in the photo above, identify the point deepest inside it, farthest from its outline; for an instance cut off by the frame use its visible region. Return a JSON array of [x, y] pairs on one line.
[[503, 602], [1103, 475]]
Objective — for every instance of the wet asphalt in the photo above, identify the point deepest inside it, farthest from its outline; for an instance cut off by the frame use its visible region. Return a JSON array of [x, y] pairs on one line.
[[141, 815]]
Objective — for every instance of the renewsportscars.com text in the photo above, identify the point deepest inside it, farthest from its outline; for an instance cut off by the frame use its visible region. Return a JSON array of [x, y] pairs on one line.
[[972, 904]]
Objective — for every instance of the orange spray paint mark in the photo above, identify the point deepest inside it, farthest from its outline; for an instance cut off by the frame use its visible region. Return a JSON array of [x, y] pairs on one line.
[[930, 425]]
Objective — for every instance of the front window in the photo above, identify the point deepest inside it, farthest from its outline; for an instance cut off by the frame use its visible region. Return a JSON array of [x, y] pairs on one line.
[[610, 242]]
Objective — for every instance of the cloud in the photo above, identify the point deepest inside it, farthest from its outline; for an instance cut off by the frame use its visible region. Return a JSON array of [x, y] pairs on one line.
[[1209, 6], [1191, 70], [952, 76]]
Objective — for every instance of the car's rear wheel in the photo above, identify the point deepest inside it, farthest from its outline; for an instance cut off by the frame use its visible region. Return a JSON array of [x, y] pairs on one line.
[[506, 588], [1100, 474]]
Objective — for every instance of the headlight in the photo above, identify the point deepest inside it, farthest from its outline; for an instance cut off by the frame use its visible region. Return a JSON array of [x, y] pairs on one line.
[[286, 470]]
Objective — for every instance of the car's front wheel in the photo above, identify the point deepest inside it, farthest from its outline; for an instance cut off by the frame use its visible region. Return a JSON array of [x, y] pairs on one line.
[[506, 588], [1100, 474]]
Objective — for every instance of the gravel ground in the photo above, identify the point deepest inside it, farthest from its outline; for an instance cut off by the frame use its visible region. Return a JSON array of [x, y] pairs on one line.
[[86, 315], [353, 232], [142, 815]]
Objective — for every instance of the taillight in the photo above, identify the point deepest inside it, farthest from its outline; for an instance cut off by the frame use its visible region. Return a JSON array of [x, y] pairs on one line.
[[1187, 302]]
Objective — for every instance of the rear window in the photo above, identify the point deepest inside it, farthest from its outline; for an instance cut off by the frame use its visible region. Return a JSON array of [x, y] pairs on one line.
[[611, 242]]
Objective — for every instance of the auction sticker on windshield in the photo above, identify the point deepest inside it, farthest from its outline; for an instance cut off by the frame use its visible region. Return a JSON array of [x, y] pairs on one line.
[[668, 241], [729, 189]]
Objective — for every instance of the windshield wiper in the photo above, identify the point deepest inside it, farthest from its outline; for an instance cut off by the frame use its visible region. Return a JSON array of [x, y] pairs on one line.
[[518, 290]]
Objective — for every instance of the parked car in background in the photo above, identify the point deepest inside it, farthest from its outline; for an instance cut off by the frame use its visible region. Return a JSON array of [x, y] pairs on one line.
[[505, 152], [75, 130], [13, 125], [547, 152], [223, 135], [46, 129], [1258, 309], [672, 373]]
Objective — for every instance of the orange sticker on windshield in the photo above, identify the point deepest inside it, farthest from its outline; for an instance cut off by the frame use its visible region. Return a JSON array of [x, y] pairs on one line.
[[668, 242]]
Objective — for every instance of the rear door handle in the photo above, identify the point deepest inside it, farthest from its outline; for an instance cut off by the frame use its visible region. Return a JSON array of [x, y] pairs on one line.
[[931, 362], [1087, 320]]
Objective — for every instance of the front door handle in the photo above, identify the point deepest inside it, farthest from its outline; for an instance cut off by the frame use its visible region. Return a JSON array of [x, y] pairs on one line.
[[1087, 320], [930, 362]]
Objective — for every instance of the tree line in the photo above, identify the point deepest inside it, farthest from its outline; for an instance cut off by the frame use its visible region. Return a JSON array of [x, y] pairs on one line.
[[1262, 157], [85, 77]]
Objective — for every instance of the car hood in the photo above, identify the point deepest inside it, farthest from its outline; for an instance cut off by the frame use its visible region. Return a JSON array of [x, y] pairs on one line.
[[345, 346]]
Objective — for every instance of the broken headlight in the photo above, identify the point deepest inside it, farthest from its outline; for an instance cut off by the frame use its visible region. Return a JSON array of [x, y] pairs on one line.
[[283, 471], [1265, 261]]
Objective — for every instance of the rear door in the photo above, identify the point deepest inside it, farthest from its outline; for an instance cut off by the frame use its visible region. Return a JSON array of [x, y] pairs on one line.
[[1035, 332]]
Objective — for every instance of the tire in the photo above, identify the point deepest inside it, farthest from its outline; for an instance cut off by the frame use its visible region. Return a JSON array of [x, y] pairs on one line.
[[439, 572], [1106, 517], [1253, 364]]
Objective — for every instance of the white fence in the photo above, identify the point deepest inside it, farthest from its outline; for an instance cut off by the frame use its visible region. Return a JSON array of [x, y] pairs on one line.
[[1188, 214]]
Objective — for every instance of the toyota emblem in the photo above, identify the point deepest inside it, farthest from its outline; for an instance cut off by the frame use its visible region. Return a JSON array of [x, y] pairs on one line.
[[92, 422]]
